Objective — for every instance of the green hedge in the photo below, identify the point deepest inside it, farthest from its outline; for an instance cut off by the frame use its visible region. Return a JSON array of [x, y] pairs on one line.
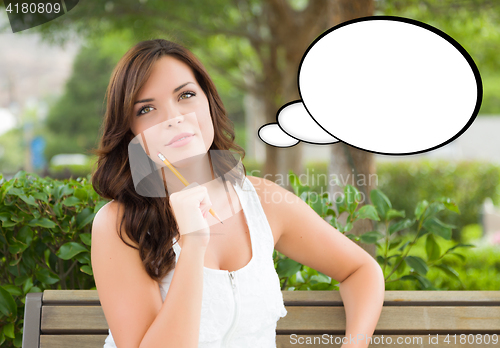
[[46, 238], [408, 249], [467, 183], [477, 269]]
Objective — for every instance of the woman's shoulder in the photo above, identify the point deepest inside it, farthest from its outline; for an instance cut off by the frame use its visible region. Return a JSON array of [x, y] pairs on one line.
[[270, 193], [260, 184], [109, 212], [274, 200], [109, 218]]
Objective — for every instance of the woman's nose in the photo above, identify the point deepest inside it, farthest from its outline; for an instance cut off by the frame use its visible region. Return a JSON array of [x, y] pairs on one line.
[[172, 122]]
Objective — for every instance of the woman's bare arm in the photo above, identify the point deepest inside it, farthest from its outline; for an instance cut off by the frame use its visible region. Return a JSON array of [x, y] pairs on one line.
[[181, 311], [305, 237], [131, 300]]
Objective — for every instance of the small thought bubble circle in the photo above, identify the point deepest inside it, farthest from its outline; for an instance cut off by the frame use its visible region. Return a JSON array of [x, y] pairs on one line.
[[384, 84], [274, 136]]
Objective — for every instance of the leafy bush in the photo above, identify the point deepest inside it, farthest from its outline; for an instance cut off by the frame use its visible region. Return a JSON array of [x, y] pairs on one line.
[[46, 240], [469, 183], [393, 254], [480, 272]]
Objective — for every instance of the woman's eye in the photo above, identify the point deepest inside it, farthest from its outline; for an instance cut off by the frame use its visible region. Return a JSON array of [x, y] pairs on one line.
[[185, 95], [188, 95], [143, 108]]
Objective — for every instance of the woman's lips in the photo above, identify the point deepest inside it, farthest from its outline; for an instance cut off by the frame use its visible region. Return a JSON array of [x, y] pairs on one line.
[[179, 136], [182, 142]]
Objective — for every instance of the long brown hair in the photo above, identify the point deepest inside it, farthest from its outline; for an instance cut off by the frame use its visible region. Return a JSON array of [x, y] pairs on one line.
[[148, 221]]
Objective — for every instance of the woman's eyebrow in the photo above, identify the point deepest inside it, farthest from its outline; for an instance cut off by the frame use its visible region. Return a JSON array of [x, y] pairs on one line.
[[152, 99], [178, 88]]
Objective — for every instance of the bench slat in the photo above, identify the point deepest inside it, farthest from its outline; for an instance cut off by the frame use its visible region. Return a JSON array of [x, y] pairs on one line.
[[73, 319], [399, 298], [73, 341], [407, 319], [320, 298], [71, 297]]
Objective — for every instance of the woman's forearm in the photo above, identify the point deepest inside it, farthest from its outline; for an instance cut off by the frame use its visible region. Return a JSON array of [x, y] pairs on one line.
[[178, 322], [363, 296]]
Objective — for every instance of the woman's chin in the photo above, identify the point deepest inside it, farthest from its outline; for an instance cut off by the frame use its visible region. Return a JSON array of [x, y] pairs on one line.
[[187, 159]]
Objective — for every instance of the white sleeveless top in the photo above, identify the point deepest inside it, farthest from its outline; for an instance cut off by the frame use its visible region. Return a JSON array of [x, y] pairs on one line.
[[241, 308]]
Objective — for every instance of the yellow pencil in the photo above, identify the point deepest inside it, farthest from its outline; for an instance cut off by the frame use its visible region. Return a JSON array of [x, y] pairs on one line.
[[184, 181]]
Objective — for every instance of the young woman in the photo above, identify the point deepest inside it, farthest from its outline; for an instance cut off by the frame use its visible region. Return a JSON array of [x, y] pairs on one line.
[[168, 273]]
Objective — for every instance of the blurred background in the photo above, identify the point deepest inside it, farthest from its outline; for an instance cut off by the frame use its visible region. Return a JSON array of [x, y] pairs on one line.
[[53, 79]]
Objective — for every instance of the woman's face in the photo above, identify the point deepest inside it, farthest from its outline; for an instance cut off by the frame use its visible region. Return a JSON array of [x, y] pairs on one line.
[[169, 104]]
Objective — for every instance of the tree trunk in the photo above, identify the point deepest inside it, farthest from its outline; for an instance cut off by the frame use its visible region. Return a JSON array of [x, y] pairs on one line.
[[282, 160], [357, 168], [350, 165], [291, 32]]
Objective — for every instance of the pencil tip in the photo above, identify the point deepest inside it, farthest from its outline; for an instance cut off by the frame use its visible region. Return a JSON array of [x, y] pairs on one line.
[[217, 217]]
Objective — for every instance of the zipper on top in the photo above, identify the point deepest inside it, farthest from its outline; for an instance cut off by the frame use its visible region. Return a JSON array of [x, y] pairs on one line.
[[236, 311], [231, 278]]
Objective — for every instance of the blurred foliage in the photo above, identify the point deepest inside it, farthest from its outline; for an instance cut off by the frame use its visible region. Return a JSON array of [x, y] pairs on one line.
[[73, 121], [13, 142], [491, 97], [253, 167], [12, 159], [471, 233], [474, 24], [240, 136]]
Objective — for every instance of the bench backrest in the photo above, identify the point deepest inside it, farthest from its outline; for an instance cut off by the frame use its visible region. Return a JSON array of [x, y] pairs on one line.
[[74, 318]]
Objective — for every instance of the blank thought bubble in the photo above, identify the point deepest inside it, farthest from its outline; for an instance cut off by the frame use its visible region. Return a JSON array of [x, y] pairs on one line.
[[383, 84]]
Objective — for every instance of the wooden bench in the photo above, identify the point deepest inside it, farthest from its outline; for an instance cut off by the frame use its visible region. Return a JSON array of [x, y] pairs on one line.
[[74, 318]]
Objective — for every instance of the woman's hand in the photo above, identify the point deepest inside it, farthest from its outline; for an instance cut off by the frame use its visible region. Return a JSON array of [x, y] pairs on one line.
[[190, 206]]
